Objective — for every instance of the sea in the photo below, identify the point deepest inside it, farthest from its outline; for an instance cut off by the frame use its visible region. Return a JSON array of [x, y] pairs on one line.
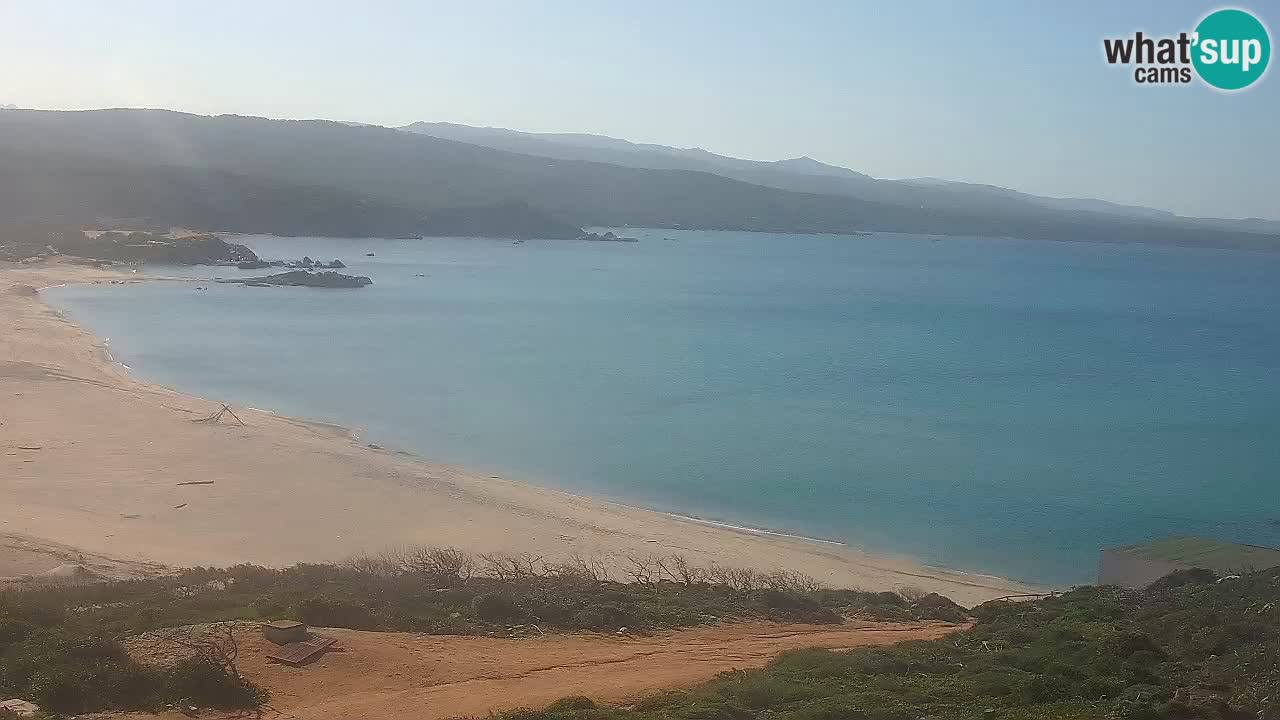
[[989, 405]]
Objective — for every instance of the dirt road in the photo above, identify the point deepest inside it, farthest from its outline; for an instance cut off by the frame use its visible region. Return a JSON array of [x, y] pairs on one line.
[[399, 675]]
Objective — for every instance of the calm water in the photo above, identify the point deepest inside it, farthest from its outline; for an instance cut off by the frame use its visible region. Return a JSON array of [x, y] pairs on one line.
[[992, 405]]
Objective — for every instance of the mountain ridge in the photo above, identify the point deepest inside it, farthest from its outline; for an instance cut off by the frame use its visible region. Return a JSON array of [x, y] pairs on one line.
[[416, 175], [910, 192]]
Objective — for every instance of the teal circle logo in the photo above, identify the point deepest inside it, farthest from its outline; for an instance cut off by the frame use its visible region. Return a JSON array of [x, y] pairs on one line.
[[1231, 50]]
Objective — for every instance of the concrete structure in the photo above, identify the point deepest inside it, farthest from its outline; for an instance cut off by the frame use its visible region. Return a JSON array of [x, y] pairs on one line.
[[284, 632], [1140, 565]]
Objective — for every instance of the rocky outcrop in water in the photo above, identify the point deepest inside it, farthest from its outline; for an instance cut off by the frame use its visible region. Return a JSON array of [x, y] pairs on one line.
[[259, 264], [606, 237], [303, 278], [305, 263]]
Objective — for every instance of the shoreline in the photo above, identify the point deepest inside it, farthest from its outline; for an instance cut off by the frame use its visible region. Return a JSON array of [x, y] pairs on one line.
[[749, 530], [282, 490]]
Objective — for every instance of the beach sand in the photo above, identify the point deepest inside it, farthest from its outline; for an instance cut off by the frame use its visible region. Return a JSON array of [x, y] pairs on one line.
[[92, 461]]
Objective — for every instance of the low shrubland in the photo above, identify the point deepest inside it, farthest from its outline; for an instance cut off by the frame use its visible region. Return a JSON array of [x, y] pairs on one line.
[[61, 646], [1190, 646]]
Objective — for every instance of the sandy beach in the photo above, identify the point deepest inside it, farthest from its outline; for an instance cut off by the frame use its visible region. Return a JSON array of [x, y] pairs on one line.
[[93, 465]]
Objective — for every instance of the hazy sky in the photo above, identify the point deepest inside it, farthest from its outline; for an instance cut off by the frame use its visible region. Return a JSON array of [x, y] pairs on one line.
[[1009, 93]]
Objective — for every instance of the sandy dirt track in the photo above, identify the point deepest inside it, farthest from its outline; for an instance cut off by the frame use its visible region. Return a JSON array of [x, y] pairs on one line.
[[422, 677]]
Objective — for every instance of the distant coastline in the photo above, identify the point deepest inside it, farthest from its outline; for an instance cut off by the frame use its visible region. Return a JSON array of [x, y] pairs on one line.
[[324, 178]]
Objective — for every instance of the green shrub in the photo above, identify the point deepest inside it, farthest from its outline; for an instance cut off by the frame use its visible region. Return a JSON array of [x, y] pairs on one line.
[[936, 607], [571, 704], [207, 684], [495, 607], [829, 709], [1186, 651], [1182, 578], [321, 612], [78, 669]]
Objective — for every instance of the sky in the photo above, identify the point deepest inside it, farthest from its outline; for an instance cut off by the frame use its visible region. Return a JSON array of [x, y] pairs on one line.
[[1005, 92]]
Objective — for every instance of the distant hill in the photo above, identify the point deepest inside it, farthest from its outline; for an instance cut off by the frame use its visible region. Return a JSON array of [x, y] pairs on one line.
[[41, 187], [806, 174], [380, 176], [1105, 207], [501, 220], [599, 148]]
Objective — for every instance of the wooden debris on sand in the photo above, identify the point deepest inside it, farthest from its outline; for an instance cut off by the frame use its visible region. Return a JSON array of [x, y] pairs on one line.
[[300, 653], [215, 417]]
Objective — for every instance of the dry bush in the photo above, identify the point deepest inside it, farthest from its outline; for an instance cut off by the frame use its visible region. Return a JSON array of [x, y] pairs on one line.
[[450, 566], [214, 643], [643, 569], [679, 569], [738, 578], [910, 593], [441, 564], [510, 566], [579, 569], [792, 581], [386, 564]]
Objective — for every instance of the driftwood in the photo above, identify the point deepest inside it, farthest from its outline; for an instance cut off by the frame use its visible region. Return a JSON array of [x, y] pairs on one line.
[[215, 417]]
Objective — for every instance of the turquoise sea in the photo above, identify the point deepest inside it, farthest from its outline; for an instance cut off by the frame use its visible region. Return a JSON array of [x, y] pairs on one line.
[[991, 405]]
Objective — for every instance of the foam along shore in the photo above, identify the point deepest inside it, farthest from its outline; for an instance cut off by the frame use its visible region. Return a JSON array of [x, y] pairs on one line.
[[98, 463]]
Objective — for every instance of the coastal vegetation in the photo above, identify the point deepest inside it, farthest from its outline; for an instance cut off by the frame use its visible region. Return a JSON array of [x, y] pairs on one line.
[[59, 187], [1190, 646], [17, 244], [23, 242], [140, 247], [62, 646], [511, 219]]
